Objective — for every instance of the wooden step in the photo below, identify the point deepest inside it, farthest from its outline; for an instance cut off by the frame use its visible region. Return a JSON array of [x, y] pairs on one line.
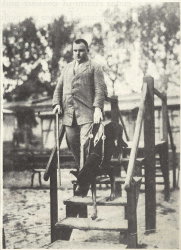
[[89, 224], [125, 161], [157, 183], [39, 170], [101, 201], [63, 244], [106, 180], [159, 175], [141, 144]]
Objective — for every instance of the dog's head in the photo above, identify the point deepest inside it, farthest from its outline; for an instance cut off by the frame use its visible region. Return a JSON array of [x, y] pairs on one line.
[[114, 131]]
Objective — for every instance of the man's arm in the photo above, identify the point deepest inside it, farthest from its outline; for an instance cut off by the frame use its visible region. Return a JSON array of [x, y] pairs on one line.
[[57, 96], [100, 93], [99, 87]]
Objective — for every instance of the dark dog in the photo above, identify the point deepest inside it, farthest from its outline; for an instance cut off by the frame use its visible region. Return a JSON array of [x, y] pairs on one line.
[[98, 161]]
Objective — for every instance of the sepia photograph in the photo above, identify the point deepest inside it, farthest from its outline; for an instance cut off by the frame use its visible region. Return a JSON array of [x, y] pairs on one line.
[[90, 124]]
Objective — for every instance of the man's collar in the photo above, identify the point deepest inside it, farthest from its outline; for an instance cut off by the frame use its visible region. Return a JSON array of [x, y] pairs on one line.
[[76, 62]]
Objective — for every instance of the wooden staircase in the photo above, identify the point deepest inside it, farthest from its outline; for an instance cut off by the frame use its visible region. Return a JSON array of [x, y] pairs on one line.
[[77, 210], [138, 160], [77, 215]]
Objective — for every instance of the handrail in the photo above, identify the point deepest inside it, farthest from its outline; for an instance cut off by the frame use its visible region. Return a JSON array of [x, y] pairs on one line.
[[159, 94], [136, 138], [53, 155]]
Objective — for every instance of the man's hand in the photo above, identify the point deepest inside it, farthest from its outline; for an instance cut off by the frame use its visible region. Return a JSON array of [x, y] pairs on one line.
[[57, 109], [98, 115]]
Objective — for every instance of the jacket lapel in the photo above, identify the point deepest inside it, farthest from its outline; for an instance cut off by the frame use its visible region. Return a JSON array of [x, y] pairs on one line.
[[82, 67]]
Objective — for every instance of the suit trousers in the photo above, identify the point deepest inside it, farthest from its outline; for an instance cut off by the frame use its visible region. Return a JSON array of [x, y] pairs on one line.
[[78, 141]]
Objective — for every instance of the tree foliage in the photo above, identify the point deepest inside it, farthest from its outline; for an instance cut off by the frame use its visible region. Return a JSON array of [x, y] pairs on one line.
[[60, 35], [32, 55], [35, 56], [159, 38], [154, 28]]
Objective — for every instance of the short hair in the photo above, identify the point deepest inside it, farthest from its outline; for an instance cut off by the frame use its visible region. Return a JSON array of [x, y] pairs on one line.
[[78, 41]]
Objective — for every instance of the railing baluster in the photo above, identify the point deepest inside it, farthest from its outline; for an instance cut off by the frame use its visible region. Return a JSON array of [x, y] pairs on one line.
[[51, 171], [173, 152], [165, 165], [53, 202]]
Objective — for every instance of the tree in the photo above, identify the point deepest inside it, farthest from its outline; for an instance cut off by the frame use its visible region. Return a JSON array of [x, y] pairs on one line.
[[22, 53], [60, 37], [33, 57], [159, 38], [116, 44]]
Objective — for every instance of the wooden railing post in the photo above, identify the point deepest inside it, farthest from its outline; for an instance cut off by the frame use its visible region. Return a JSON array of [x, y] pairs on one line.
[[174, 156], [164, 162], [53, 202], [149, 151], [132, 216]]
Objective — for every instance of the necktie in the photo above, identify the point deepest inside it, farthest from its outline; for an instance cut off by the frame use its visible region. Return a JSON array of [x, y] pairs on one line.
[[76, 68]]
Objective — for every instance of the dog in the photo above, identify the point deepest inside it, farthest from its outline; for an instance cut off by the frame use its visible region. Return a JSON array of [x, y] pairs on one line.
[[104, 142]]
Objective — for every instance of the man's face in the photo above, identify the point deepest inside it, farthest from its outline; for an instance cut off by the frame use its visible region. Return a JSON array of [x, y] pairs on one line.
[[80, 52]]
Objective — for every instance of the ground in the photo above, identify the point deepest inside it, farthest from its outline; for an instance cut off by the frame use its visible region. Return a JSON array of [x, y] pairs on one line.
[[26, 215]]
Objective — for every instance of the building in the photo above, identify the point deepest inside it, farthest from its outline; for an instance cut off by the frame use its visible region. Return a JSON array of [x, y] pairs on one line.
[[128, 105]]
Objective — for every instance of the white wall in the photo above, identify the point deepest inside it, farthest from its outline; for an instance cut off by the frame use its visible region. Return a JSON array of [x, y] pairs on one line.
[[9, 124]]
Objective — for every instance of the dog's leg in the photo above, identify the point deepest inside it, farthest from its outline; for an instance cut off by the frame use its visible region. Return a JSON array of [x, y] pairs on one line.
[[93, 188], [113, 186]]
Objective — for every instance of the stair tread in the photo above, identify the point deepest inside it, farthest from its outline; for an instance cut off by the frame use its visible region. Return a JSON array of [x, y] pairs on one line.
[[126, 160], [141, 144], [89, 224], [39, 169], [62, 244], [105, 180], [101, 201]]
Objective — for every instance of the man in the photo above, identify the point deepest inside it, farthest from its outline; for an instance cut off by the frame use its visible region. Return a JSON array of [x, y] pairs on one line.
[[79, 97]]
